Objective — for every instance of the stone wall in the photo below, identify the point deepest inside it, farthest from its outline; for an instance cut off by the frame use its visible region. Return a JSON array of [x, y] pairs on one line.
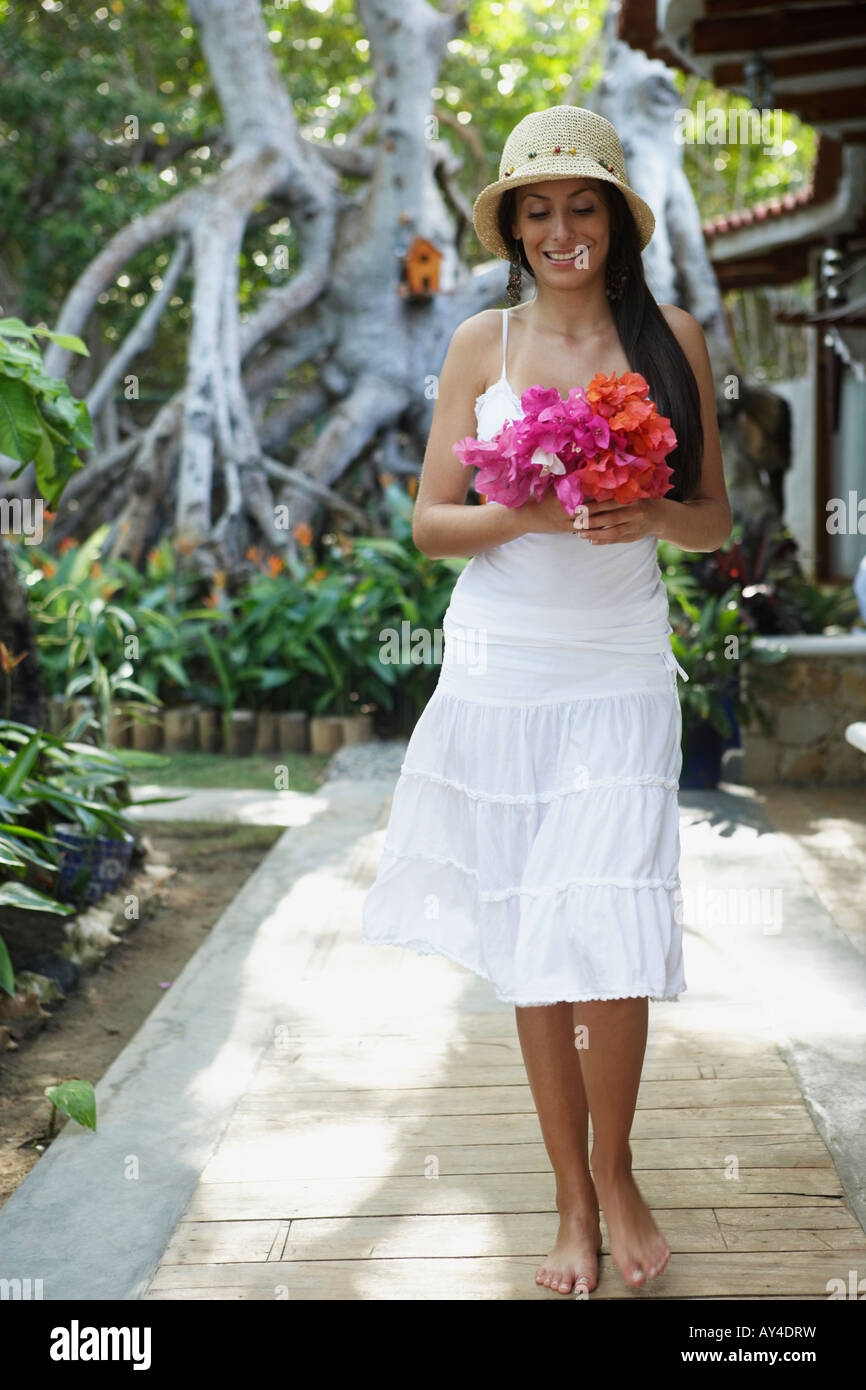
[[825, 680]]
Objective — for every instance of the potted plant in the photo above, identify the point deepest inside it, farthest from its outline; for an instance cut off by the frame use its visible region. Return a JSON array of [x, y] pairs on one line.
[[710, 640], [46, 783], [91, 865]]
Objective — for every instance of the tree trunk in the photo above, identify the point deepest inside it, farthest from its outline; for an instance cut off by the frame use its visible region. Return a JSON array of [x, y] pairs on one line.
[[21, 695]]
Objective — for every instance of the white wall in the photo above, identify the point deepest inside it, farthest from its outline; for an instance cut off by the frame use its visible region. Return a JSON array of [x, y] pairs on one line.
[[799, 481]]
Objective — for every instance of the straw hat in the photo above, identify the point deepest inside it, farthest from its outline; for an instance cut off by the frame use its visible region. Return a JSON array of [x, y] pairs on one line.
[[563, 142]]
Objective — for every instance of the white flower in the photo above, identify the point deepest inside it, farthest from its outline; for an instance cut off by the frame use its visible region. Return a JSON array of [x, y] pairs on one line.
[[548, 463]]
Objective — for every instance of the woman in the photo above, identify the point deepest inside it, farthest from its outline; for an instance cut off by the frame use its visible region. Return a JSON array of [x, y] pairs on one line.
[[534, 829]]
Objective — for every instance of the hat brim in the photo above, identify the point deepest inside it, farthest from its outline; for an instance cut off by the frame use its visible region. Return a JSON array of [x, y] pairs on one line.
[[486, 205]]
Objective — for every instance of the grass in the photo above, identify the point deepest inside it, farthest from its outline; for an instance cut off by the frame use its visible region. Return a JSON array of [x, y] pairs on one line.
[[258, 772]]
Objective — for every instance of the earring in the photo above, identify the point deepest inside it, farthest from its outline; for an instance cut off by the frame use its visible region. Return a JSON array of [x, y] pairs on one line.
[[615, 281], [515, 279]]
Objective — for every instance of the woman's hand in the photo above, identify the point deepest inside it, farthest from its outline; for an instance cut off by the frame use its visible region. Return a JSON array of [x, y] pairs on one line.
[[547, 515], [606, 523], [599, 523]]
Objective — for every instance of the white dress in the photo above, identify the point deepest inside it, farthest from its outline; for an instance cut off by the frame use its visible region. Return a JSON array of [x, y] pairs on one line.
[[534, 829]]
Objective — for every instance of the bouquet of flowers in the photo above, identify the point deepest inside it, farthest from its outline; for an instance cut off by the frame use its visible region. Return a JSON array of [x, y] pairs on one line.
[[604, 442]]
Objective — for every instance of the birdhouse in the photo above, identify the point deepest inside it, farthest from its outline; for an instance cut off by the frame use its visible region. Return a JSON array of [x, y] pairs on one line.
[[421, 264]]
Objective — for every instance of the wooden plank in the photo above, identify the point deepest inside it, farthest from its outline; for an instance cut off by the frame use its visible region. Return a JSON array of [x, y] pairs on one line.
[[451, 1100], [734, 1121], [744, 1035], [369, 1073], [660, 1046], [495, 1192], [828, 1216], [471, 1236], [710, 1275], [333, 1055], [214, 1242], [796, 1239], [258, 1156]]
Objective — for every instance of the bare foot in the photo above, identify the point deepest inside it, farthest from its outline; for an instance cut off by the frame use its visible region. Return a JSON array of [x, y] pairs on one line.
[[637, 1246], [573, 1262]]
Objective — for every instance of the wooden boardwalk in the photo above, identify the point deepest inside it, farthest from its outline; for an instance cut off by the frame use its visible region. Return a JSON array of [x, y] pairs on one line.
[[388, 1147]]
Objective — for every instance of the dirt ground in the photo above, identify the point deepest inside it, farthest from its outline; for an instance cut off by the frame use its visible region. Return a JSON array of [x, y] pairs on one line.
[[94, 1024]]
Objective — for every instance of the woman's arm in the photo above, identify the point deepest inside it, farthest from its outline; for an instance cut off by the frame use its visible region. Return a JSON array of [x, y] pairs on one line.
[[442, 524], [705, 521], [702, 523]]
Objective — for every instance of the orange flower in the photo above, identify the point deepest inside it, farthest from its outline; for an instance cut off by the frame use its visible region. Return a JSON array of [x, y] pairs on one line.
[[212, 601], [7, 660], [49, 570], [275, 564], [412, 485], [95, 570], [255, 554], [632, 415], [66, 544], [319, 574], [47, 515], [609, 393], [303, 534]]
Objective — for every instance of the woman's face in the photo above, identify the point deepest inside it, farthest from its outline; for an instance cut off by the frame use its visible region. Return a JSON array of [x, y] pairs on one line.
[[562, 215]]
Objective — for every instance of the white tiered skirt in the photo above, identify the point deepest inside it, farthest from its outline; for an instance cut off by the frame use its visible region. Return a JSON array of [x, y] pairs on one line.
[[534, 829]]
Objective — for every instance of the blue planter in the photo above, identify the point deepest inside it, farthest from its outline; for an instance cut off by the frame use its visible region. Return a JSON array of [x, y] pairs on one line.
[[91, 865], [702, 763], [727, 701]]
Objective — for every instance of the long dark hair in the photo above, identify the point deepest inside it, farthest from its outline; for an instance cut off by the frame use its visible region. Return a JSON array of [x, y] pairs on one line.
[[649, 344]]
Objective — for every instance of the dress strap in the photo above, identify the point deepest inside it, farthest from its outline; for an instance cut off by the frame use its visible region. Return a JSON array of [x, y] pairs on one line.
[[504, 341]]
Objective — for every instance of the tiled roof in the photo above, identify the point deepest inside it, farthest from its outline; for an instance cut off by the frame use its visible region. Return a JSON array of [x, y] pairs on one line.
[[759, 212]]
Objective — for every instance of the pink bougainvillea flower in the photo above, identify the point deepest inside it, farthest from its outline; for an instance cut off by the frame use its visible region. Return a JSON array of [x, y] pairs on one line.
[[605, 442]]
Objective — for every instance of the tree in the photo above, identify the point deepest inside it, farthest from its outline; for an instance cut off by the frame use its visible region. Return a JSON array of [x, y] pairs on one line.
[[40, 421], [210, 464]]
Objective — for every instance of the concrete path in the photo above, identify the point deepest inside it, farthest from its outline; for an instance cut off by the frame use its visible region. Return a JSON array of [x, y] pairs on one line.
[[248, 807], [306, 1116]]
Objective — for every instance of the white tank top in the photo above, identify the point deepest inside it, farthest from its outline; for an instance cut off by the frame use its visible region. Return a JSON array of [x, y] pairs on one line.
[[557, 588]]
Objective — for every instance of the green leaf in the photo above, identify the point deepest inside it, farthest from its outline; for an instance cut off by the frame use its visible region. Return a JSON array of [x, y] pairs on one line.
[[7, 975], [174, 669], [16, 852], [75, 1098], [66, 340], [21, 432], [14, 776], [19, 895], [79, 683]]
